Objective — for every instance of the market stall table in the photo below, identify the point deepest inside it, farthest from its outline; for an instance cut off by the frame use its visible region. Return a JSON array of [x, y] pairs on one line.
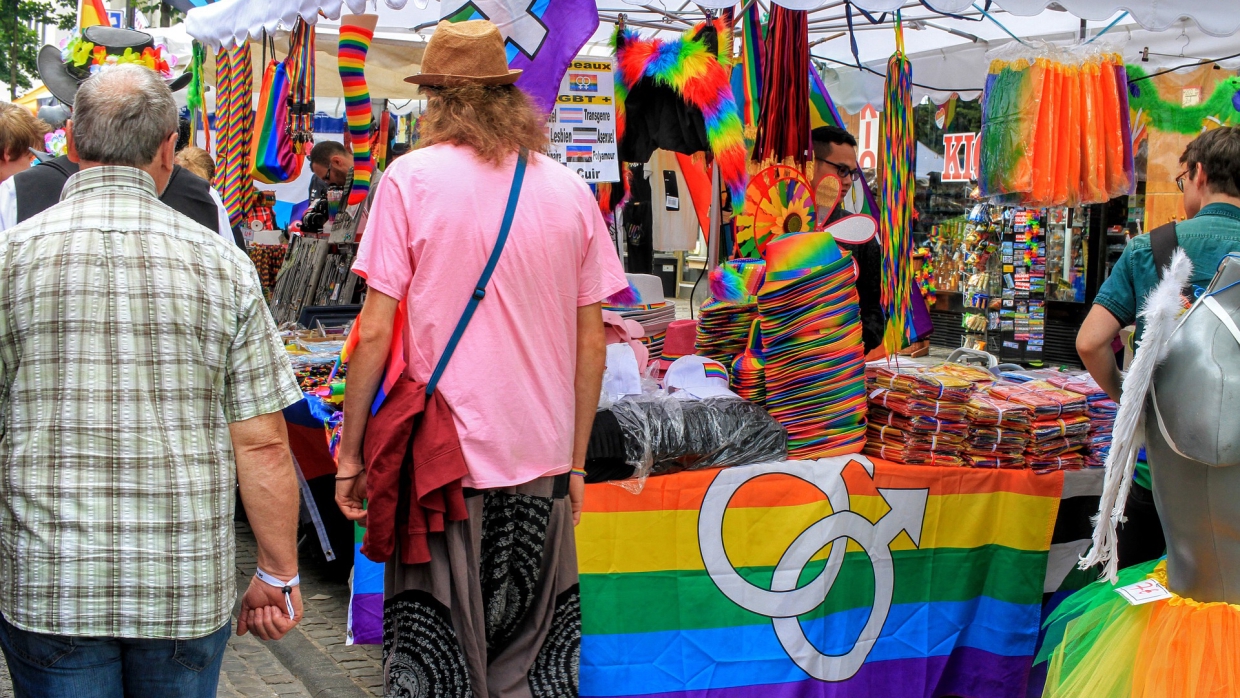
[[676, 580]]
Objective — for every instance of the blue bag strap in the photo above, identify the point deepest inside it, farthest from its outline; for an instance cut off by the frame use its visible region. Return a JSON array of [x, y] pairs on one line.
[[480, 291]]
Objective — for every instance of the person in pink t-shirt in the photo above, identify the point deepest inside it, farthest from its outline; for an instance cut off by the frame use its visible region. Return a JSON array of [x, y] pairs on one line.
[[499, 597]]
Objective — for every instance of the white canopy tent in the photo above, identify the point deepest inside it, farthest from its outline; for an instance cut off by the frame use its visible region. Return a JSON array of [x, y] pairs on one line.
[[960, 65], [948, 52], [228, 21]]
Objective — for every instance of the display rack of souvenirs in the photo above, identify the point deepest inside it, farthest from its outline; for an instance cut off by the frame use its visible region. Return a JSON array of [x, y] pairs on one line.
[[1022, 315], [313, 356], [315, 272], [267, 260]]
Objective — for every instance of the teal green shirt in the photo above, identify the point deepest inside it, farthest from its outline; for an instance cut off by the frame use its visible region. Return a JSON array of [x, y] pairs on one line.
[[1207, 237]]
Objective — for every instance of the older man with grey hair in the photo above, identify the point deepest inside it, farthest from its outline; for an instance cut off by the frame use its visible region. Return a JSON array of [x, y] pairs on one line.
[[143, 375]]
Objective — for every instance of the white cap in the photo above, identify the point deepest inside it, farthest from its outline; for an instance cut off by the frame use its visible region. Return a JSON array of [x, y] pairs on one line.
[[698, 376], [622, 376]]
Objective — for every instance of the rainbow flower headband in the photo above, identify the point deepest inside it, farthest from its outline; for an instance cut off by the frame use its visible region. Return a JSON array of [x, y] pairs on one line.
[[80, 53]]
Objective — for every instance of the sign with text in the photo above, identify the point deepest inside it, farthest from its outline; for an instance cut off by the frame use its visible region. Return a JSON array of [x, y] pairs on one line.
[[582, 128], [961, 156], [867, 138]]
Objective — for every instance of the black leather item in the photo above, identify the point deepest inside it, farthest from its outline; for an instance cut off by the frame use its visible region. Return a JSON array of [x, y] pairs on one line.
[[1141, 537], [1163, 242], [38, 189]]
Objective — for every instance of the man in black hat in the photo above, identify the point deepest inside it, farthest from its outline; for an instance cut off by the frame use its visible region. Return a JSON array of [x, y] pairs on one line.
[[37, 189]]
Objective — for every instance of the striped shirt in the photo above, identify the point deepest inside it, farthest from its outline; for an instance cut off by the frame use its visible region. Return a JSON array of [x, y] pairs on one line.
[[130, 337]]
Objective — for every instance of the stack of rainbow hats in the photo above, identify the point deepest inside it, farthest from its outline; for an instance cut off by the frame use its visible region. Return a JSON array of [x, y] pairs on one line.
[[644, 302], [749, 369], [811, 344], [726, 318]]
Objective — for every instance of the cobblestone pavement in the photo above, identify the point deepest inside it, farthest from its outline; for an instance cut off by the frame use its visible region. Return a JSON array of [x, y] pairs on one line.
[[326, 617]]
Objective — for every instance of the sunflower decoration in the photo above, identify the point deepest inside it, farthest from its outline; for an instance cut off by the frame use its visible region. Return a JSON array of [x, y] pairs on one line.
[[777, 201]]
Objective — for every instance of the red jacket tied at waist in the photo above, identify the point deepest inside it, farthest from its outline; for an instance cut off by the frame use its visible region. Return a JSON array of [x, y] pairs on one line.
[[414, 467]]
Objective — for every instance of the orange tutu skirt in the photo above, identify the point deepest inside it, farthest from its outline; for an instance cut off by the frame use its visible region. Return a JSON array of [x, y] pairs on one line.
[[1174, 648]]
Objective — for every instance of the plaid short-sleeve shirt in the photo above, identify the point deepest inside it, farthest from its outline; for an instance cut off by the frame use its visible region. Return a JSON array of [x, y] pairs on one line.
[[130, 337]]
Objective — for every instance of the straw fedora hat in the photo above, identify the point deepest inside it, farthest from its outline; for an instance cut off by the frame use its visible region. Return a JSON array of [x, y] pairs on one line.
[[465, 53]]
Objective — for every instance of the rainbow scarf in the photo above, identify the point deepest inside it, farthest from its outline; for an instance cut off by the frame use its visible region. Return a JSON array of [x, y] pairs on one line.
[[896, 164], [700, 77], [396, 363], [965, 552], [751, 68], [234, 123], [351, 58]]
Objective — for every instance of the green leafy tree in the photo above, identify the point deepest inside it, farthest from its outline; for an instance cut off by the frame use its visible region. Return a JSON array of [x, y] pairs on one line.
[[161, 13], [19, 36]]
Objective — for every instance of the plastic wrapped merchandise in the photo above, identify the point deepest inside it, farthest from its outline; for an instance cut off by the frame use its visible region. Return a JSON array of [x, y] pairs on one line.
[[664, 434]]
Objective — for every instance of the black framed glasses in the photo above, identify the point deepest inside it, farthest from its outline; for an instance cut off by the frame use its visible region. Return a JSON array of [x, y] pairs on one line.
[[844, 171], [1179, 181]]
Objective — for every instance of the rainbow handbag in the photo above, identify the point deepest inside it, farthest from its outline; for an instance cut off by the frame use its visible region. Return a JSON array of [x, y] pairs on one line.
[[273, 157]]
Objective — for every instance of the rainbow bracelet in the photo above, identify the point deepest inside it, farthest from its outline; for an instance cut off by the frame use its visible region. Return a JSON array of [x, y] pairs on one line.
[[579, 472]]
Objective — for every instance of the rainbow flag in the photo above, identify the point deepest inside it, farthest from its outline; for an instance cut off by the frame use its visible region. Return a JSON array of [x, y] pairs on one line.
[[365, 598], [751, 69], [395, 359], [944, 598], [92, 13], [822, 112]]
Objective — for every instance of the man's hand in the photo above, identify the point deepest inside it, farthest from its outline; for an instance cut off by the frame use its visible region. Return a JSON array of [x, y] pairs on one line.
[[351, 488], [264, 612], [577, 494], [374, 327]]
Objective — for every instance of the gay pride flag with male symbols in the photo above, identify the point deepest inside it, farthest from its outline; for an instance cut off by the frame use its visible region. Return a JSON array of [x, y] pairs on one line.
[[815, 578]]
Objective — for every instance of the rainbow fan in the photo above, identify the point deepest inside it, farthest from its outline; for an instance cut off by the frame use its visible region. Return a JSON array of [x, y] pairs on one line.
[[778, 200]]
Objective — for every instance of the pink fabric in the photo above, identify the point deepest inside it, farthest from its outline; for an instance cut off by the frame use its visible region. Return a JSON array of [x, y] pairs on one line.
[[510, 383]]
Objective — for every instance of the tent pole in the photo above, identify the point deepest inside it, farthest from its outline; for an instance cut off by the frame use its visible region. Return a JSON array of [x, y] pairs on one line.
[[712, 242]]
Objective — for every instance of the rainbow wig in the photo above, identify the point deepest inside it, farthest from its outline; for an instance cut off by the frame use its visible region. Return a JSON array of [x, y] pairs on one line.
[[695, 67]]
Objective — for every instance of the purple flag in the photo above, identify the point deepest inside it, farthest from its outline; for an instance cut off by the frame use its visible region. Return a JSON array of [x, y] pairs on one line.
[[542, 37]]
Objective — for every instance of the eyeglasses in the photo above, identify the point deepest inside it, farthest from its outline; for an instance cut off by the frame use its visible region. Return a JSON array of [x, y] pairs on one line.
[[1179, 181], [844, 171]]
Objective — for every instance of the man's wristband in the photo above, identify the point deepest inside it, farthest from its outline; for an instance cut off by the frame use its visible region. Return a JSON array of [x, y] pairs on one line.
[[286, 587], [579, 472]]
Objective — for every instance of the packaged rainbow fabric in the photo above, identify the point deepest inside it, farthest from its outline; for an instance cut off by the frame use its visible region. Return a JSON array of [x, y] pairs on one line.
[[1056, 128]]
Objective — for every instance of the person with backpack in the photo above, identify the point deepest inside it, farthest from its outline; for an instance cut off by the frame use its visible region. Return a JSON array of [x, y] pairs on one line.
[[1210, 181]]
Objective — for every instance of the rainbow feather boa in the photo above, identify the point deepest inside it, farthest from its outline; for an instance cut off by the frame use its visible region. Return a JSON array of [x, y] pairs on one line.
[[700, 77]]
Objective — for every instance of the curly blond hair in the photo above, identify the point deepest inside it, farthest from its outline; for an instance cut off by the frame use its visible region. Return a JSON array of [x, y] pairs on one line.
[[19, 131], [494, 120], [198, 161]]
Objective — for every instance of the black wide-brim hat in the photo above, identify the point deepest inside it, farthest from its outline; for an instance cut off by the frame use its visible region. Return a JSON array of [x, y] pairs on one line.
[[63, 79]]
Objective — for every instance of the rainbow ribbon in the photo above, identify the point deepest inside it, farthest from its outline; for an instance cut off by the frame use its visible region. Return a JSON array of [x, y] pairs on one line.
[[234, 123], [351, 58], [896, 163], [752, 51]]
